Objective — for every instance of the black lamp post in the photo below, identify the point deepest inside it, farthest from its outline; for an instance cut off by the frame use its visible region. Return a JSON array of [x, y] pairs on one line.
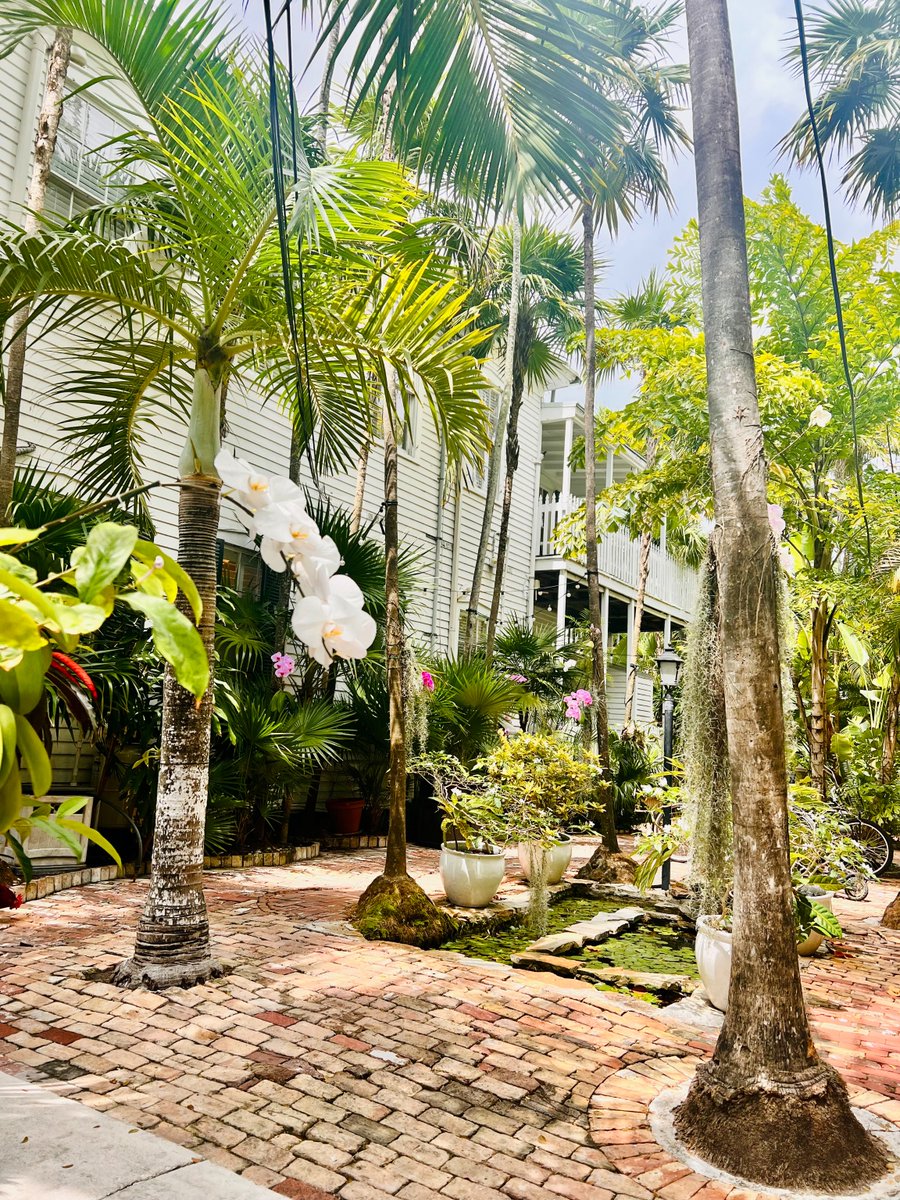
[[669, 664]]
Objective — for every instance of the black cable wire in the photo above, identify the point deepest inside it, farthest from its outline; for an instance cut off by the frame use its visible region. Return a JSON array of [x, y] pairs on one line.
[[281, 206], [832, 266]]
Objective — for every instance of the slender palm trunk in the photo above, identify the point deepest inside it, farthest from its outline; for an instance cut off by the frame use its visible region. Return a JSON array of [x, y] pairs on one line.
[[395, 857], [890, 726], [44, 146], [599, 709], [644, 548], [493, 479], [512, 465], [172, 946], [359, 493], [765, 1097], [819, 726]]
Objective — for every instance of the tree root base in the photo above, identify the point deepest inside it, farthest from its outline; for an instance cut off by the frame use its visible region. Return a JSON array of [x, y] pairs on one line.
[[395, 909], [891, 916], [603, 867], [789, 1138], [156, 977]]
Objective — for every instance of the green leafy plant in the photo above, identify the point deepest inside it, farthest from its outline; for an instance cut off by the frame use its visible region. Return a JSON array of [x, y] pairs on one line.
[[548, 779], [42, 619], [468, 704]]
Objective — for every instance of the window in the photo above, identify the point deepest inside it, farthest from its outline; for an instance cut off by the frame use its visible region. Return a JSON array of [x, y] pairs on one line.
[[477, 473], [81, 172], [240, 569]]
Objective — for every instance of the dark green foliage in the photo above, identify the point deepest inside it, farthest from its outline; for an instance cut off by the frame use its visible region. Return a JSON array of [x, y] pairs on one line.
[[469, 702]]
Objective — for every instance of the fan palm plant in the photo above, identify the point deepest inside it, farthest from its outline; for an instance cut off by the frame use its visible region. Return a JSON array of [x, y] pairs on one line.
[[197, 301], [532, 657], [853, 50], [469, 702]]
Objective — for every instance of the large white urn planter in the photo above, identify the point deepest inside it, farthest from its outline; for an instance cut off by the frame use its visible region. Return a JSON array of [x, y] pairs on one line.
[[470, 880], [556, 858], [713, 950]]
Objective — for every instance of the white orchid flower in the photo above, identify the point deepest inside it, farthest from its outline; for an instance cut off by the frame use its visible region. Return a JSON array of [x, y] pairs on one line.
[[819, 417], [252, 488], [786, 560], [335, 626], [314, 567], [776, 520], [287, 531]]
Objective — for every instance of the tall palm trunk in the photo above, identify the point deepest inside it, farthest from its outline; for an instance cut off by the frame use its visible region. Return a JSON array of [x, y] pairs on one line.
[[819, 726], [765, 1097], [512, 465], [393, 907], [172, 946], [890, 726], [493, 479], [599, 708], [395, 857], [44, 146], [644, 548], [359, 492]]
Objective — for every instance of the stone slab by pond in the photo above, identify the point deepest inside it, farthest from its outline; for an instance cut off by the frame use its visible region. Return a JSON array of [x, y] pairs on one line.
[[645, 981]]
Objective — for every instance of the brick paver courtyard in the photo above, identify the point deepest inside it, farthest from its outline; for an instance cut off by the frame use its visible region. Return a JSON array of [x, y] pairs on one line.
[[325, 1064]]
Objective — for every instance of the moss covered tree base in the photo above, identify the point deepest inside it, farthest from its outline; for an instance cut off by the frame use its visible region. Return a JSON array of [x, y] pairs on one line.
[[891, 916], [803, 1137], [603, 867], [395, 909]]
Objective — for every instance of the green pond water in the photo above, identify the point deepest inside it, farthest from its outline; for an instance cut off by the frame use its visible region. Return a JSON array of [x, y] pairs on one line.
[[655, 947]]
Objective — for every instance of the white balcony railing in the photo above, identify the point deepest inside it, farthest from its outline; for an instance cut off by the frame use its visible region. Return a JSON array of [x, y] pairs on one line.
[[617, 558]]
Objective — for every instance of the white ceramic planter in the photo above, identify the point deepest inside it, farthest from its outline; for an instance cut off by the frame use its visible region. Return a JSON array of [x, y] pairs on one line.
[[470, 880], [811, 944], [557, 858], [713, 951]]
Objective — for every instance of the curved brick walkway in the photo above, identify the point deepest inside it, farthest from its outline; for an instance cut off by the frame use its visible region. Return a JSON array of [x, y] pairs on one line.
[[325, 1064]]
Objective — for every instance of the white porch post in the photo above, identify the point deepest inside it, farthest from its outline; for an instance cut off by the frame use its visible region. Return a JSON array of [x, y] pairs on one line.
[[566, 489], [604, 621], [561, 586], [630, 644], [667, 631], [610, 468]]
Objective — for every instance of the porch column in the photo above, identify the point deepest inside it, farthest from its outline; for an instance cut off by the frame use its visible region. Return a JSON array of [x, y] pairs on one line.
[[630, 644], [566, 489], [604, 621], [561, 585], [610, 468], [667, 632]]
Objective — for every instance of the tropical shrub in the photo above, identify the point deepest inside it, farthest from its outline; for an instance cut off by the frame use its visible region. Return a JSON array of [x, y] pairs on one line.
[[41, 623], [469, 702], [545, 775]]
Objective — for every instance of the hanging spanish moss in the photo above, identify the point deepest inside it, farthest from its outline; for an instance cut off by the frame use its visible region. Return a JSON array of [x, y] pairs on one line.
[[705, 752]]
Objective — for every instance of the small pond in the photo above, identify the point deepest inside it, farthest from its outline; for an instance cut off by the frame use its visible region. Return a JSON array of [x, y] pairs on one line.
[[655, 947]]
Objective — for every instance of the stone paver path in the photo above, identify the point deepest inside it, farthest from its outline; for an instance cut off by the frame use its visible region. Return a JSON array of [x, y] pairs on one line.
[[323, 1064]]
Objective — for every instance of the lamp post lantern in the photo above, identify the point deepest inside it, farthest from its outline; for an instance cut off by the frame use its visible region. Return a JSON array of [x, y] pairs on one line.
[[669, 663]]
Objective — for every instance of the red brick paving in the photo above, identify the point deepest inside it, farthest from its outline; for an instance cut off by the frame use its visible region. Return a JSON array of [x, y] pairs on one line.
[[326, 1065]]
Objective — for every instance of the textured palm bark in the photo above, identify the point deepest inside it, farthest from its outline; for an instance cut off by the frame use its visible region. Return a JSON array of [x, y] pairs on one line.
[[395, 858], [765, 1107], [44, 146], [512, 465], [599, 709], [359, 494], [819, 725], [172, 946], [891, 720], [393, 907], [493, 479]]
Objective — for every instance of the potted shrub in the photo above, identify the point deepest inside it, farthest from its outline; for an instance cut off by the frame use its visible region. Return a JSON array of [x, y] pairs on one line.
[[550, 783], [472, 862]]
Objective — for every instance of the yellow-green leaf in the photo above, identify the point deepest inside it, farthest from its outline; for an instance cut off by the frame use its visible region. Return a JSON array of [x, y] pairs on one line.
[[34, 756], [18, 537], [7, 741], [92, 835], [175, 638], [104, 554], [148, 553], [18, 631]]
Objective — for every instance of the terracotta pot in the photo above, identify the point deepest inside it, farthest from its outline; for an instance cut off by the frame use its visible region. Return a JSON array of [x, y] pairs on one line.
[[346, 815], [470, 880]]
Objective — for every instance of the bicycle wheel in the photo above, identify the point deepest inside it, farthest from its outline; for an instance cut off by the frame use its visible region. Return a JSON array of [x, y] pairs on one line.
[[877, 849], [856, 887]]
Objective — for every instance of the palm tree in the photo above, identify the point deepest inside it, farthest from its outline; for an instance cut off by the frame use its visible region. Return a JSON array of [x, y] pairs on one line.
[[616, 177], [200, 304], [853, 48], [765, 1073], [650, 307], [550, 278], [44, 147]]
